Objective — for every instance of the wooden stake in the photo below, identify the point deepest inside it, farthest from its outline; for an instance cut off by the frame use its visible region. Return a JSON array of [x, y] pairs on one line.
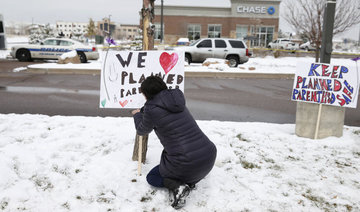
[[135, 156], [318, 122], [140, 154]]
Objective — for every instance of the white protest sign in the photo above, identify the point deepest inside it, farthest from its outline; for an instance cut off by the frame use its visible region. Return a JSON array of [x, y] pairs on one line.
[[329, 84], [123, 72]]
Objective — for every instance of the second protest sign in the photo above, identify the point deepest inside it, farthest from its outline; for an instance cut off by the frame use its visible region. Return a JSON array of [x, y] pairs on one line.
[[328, 84]]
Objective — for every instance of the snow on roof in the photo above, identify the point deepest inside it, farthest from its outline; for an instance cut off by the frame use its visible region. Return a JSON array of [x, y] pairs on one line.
[[183, 40]]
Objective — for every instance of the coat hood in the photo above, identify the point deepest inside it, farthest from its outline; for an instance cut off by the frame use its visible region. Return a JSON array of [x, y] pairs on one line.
[[172, 100]]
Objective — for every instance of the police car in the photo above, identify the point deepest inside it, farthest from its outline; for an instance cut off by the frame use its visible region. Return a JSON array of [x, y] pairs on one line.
[[52, 48]]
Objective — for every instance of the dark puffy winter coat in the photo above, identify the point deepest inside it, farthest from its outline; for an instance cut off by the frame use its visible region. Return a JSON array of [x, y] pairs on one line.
[[188, 154]]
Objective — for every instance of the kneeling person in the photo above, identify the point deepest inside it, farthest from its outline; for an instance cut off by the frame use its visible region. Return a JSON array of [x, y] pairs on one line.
[[188, 154]]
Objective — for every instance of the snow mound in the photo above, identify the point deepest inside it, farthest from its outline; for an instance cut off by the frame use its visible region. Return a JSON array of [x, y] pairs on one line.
[[19, 69], [70, 54], [4, 54], [217, 64]]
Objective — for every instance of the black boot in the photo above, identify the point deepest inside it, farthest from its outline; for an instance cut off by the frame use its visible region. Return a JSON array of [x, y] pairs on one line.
[[178, 192], [179, 196], [191, 186]]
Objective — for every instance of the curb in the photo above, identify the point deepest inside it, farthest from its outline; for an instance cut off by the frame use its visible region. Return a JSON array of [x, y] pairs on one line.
[[187, 74], [62, 71]]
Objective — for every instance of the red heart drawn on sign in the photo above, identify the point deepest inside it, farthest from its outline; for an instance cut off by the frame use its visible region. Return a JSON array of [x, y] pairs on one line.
[[168, 61], [123, 103]]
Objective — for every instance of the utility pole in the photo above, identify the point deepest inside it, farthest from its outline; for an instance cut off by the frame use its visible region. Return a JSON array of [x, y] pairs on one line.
[[148, 27], [109, 27], [359, 32], [147, 14], [162, 22], [317, 120], [327, 33]]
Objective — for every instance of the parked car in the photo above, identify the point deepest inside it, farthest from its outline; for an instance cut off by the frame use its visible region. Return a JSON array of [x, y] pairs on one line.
[[233, 50], [52, 48], [308, 46], [183, 42], [283, 43]]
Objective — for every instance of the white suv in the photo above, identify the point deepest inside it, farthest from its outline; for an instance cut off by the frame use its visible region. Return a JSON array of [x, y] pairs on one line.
[[223, 48], [283, 43]]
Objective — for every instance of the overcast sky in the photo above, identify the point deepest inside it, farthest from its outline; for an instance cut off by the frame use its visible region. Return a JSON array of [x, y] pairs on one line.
[[121, 11]]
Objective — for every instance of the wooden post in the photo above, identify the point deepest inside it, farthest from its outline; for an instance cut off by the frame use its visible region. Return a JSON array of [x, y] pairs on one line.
[[136, 151], [147, 13], [140, 154], [318, 122]]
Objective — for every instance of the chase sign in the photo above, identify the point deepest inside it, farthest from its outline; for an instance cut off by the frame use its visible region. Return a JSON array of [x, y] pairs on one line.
[[256, 9]]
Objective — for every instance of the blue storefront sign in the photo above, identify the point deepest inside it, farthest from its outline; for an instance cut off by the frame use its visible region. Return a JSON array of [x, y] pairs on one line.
[[256, 9]]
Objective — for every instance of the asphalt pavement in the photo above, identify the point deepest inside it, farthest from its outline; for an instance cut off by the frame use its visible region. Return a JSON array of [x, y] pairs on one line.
[[236, 99]]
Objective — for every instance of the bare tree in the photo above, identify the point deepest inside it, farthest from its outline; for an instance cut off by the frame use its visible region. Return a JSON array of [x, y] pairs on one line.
[[91, 30], [306, 17]]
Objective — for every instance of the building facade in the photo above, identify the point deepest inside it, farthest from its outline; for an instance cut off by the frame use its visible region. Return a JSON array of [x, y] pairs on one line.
[[118, 31], [17, 28], [106, 27], [129, 31], [255, 21], [69, 29]]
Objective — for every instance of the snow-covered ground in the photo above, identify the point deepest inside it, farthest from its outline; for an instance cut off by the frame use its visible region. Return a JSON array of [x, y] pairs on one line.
[[84, 164], [4, 54]]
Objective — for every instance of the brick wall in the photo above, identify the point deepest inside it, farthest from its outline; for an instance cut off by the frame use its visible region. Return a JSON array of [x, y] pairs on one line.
[[176, 26]]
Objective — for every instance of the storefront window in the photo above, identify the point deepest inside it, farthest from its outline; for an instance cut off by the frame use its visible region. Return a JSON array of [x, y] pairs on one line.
[[214, 31], [241, 32], [158, 31], [194, 31], [269, 35], [263, 35]]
